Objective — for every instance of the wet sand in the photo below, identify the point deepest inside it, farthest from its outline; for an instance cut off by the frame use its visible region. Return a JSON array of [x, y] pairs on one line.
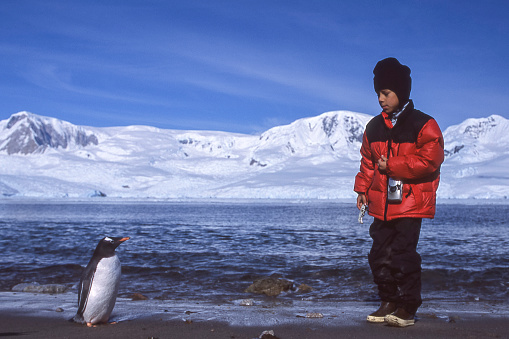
[[25, 315], [154, 327]]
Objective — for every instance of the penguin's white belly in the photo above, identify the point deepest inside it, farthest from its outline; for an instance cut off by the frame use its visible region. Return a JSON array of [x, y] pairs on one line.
[[103, 291]]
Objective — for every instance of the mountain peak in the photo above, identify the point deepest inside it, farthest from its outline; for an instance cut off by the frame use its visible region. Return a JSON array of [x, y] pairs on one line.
[[16, 117], [28, 133], [477, 138], [337, 132], [476, 128]]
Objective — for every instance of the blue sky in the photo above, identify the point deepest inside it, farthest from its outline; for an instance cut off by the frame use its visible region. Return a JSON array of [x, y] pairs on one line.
[[246, 66]]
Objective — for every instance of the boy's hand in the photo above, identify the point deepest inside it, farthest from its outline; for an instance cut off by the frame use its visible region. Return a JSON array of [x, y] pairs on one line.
[[361, 201], [382, 163]]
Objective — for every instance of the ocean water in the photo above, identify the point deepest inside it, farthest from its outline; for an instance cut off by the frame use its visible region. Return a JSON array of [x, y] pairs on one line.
[[212, 251]]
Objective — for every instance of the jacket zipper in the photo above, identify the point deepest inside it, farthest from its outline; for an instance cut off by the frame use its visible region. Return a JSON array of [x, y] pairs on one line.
[[389, 146]]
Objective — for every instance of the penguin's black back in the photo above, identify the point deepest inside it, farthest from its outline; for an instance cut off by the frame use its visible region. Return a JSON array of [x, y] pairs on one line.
[[87, 277]]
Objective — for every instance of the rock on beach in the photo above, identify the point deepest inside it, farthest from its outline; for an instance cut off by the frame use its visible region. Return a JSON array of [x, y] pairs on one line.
[[271, 286]]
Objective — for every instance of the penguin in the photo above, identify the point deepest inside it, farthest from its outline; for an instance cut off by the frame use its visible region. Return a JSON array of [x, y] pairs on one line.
[[99, 282]]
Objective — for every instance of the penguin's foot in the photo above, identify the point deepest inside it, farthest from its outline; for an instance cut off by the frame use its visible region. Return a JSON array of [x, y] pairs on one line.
[[95, 325]]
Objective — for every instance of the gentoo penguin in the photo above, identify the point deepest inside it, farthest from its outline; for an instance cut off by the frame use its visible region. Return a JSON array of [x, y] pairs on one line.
[[99, 283]]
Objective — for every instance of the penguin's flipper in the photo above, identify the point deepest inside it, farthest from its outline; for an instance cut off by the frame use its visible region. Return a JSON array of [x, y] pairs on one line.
[[84, 290]]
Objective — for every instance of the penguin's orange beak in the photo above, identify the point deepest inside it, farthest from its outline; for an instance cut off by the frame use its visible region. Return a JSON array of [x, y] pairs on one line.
[[124, 239]]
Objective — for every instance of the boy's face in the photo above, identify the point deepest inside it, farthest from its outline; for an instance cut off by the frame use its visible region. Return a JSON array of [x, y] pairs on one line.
[[388, 100]]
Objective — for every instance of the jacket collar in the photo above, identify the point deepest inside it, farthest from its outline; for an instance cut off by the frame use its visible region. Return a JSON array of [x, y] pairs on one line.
[[391, 120]]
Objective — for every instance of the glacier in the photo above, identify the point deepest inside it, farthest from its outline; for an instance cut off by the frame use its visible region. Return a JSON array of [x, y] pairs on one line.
[[311, 158]]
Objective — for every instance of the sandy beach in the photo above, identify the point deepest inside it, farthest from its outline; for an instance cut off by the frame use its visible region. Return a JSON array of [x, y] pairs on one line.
[[28, 315], [29, 327]]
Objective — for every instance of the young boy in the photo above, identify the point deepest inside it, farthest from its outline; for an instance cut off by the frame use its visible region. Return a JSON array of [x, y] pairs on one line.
[[402, 150]]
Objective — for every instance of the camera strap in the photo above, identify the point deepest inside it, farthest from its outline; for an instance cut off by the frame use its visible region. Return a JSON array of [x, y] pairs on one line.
[[389, 147]]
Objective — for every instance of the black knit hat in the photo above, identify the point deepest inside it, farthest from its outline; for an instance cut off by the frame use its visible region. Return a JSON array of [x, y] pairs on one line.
[[390, 74]]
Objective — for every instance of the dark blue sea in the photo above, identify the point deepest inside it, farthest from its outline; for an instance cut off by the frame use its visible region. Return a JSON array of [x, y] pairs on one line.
[[214, 250]]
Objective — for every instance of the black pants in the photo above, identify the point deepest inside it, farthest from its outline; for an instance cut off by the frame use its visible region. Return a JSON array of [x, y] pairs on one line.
[[395, 263]]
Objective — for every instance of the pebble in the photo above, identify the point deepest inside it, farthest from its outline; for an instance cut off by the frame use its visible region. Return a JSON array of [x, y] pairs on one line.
[[268, 335], [247, 302], [453, 319], [138, 296], [304, 288]]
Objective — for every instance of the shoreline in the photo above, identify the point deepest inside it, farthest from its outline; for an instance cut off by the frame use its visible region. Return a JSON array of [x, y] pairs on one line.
[[190, 200], [30, 315]]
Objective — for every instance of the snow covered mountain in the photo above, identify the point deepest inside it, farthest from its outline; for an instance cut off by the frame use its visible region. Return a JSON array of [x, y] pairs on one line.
[[477, 159], [312, 158], [27, 133]]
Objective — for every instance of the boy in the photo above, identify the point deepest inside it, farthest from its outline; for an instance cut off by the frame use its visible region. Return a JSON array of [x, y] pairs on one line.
[[402, 150]]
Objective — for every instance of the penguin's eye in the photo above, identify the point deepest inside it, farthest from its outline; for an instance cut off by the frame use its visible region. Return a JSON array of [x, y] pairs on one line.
[[108, 239]]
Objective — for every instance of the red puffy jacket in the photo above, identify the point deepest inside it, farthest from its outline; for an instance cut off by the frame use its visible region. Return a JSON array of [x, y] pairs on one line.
[[417, 151]]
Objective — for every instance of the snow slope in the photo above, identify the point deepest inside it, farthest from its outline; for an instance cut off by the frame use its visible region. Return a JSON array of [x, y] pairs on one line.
[[312, 158], [477, 159]]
